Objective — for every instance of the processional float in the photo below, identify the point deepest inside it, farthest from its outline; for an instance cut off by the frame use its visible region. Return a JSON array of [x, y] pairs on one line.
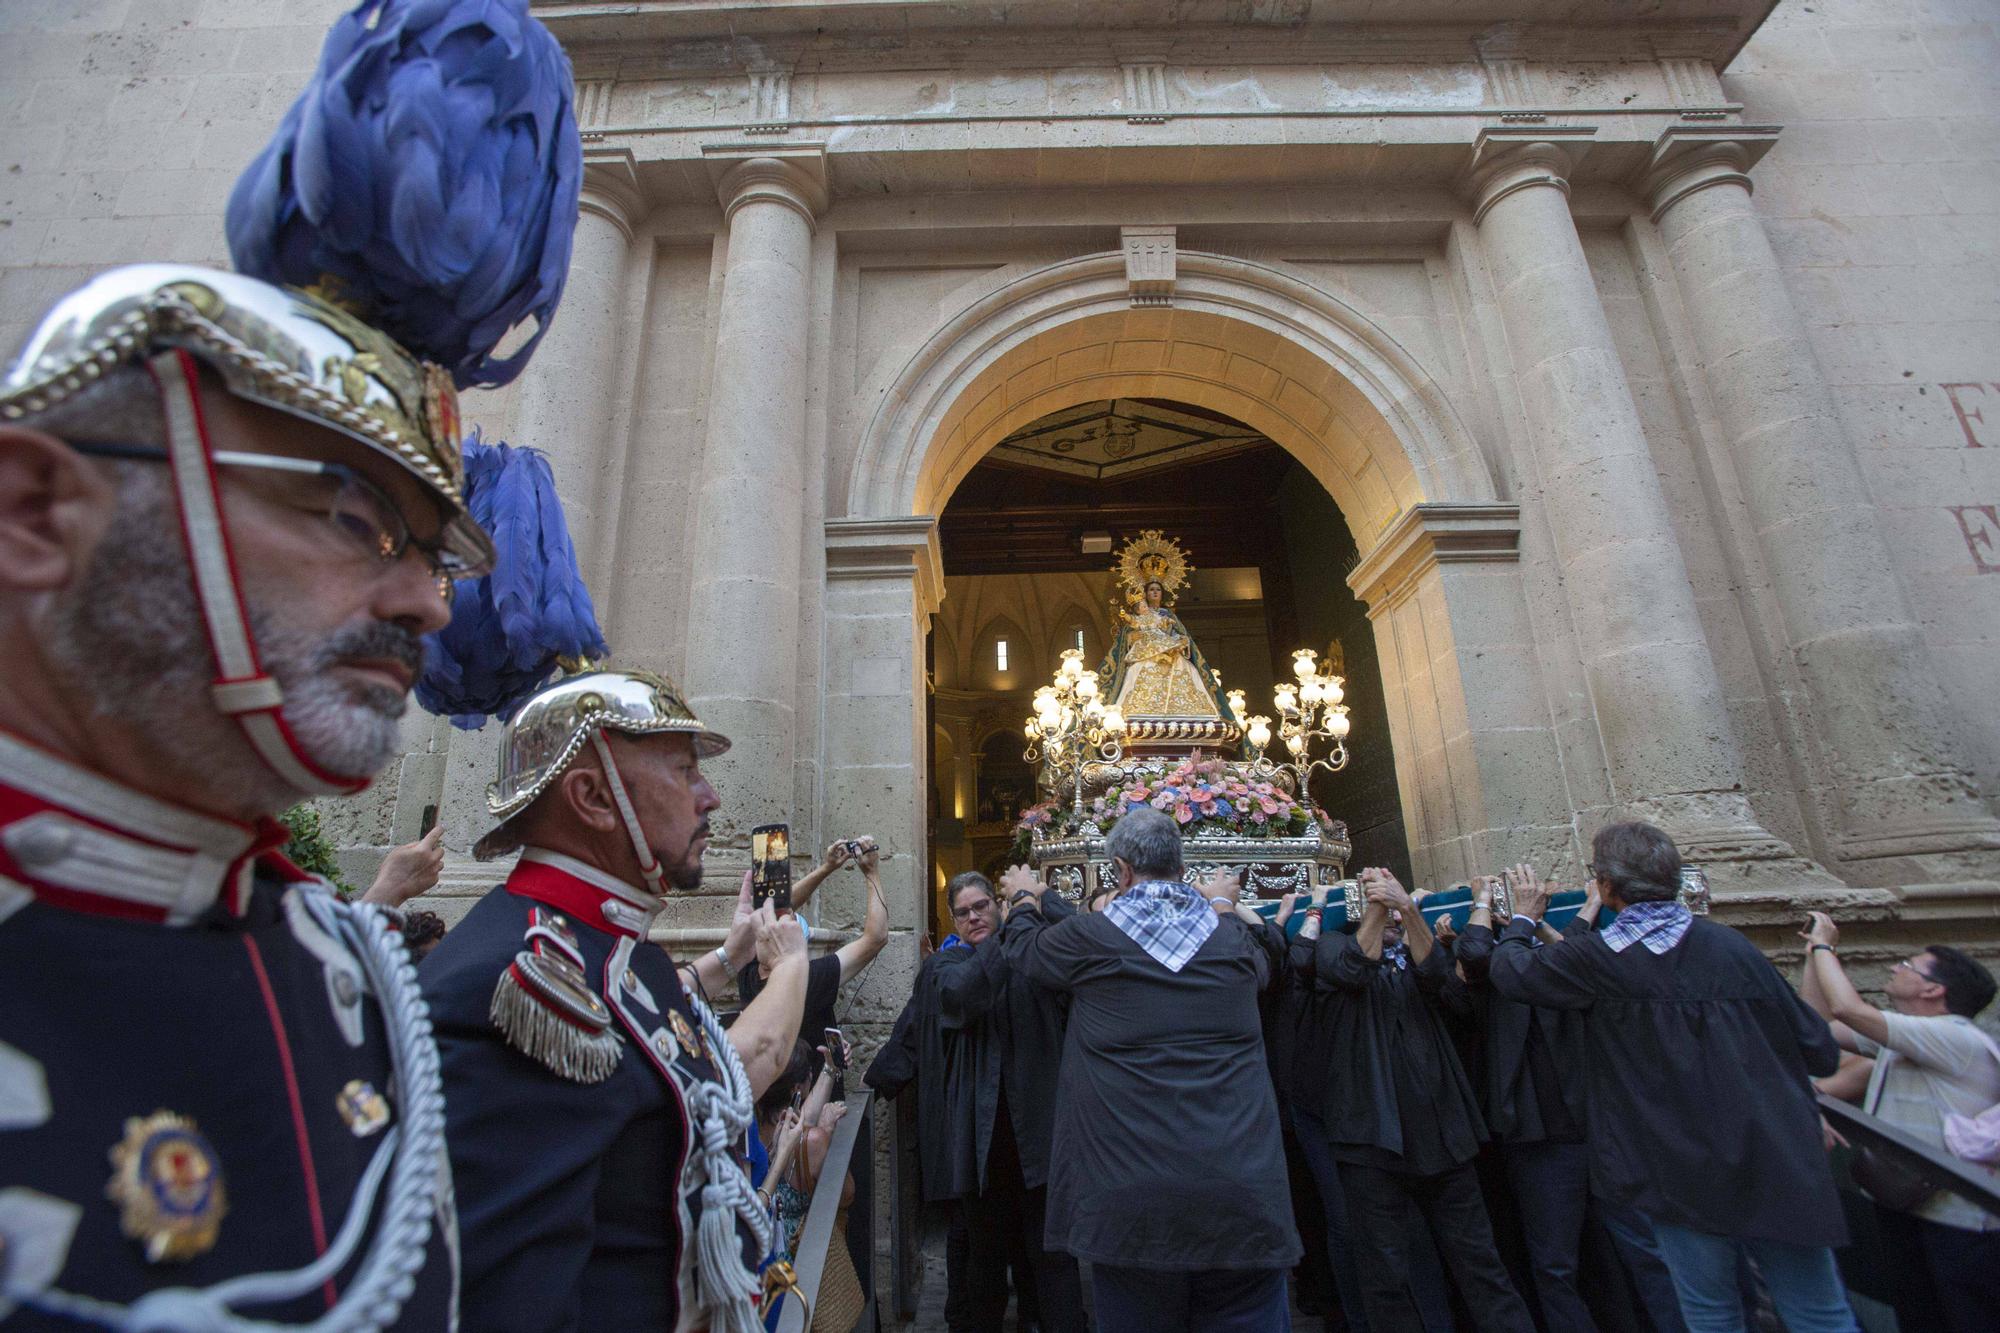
[[1153, 725]]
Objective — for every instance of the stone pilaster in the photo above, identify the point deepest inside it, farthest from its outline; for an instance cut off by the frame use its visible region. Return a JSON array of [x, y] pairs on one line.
[[743, 650], [1904, 802], [1476, 755], [1658, 698]]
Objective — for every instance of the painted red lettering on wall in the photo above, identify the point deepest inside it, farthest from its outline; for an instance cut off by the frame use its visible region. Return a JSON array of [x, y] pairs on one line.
[[1981, 526], [1971, 414]]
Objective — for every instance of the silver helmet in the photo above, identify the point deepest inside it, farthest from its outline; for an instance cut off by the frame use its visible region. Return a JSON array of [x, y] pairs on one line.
[[541, 740]]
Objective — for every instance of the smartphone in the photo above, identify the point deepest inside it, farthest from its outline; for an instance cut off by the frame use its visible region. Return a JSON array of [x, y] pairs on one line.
[[771, 866], [836, 1050]]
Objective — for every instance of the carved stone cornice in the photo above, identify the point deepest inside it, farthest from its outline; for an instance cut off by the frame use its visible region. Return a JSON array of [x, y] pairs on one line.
[[1507, 158], [888, 548], [791, 175], [1429, 535], [1687, 158], [611, 188]]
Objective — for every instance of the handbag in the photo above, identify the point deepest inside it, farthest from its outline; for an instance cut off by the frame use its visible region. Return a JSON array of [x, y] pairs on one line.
[[1895, 1186]]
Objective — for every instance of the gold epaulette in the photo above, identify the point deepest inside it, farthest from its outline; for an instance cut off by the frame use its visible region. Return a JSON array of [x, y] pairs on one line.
[[546, 1010]]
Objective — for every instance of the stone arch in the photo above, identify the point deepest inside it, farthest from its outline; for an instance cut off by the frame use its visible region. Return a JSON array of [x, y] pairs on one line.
[[1288, 359]]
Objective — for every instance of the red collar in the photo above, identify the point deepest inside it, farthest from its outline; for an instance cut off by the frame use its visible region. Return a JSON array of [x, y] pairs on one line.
[[79, 841], [591, 896]]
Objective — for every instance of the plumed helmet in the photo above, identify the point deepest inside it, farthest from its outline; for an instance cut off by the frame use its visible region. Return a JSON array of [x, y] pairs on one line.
[[284, 349], [554, 725]]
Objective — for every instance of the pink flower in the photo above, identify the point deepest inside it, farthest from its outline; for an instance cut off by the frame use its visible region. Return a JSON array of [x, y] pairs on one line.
[[1184, 814], [1267, 805], [1257, 816]]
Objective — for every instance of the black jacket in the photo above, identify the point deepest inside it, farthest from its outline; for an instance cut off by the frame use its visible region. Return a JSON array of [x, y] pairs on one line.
[[1699, 1110], [1392, 1090], [922, 1054], [1532, 1058], [1010, 1034], [1171, 1154]]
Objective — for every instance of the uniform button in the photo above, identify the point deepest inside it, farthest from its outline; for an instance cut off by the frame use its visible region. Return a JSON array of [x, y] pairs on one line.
[[41, 844], [345, 990]]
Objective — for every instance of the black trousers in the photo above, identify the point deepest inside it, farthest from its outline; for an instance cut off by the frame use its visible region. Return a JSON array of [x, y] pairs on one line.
[[1000, 1218], [1551, 1188], [1946, 1277], [1380, 1206]]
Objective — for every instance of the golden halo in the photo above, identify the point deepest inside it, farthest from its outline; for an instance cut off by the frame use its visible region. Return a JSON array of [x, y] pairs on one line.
[[1153, 557]]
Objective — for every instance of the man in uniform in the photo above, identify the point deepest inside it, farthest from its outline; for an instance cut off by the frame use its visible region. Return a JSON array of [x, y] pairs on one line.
[[597, 1110], [228, 511]]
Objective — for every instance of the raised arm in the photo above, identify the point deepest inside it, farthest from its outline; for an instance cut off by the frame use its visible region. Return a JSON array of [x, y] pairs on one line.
[[1830, 994], [1045, 955], [709, 975], [1552, 976], [859, 953], [764, 1032], [833, 859]]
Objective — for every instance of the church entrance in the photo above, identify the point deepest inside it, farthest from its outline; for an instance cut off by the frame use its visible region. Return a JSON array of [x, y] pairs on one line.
[[1029, 544]]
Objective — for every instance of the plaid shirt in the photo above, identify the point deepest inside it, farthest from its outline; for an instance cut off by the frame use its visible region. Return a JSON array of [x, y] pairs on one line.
[[1657, 925], [1166, 918]]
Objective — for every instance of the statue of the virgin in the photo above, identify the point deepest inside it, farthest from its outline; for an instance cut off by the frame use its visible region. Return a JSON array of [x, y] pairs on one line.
[[1154, 669]]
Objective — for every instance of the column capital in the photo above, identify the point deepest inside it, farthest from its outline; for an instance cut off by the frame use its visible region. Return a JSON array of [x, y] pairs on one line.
[[1687, 158], [793, 175], [888, 548], [1428, 535], [611, 188], [1507, 158]]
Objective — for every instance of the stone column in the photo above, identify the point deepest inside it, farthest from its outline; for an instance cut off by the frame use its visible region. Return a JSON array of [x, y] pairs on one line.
[[1658, 698], [567, 400], [743, 652], [1905, 802]]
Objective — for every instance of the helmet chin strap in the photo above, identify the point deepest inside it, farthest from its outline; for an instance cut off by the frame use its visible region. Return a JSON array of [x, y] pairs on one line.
[[649, 865], [243, 691]]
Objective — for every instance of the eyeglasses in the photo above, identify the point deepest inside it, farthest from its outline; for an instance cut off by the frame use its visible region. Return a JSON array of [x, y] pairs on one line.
[[1907, 965], [960, 913], [361, 511]]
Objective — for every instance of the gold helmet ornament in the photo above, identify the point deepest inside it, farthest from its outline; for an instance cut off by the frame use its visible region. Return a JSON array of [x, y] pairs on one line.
[[542, 739]]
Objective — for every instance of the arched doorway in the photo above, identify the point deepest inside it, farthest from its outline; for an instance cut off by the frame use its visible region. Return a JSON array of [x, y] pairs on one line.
[[1479, 771]]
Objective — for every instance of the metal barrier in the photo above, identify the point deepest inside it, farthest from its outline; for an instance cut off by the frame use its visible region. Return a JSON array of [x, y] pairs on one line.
[[1864, 1130], [818, 1233]]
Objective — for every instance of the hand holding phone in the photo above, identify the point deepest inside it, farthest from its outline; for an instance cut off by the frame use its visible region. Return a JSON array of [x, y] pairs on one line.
[[771, 866]]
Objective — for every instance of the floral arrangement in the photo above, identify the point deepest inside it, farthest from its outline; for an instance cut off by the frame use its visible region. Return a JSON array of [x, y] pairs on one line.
[[1203, 795]]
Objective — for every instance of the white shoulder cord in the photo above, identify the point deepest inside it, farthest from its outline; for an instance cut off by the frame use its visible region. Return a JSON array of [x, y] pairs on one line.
[[411, 1156], [719, 1116]]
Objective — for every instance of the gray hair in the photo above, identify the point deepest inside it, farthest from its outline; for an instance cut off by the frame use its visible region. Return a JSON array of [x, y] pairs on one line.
[[121, 408], [1639, 860], [1149, 841], [967, 879]]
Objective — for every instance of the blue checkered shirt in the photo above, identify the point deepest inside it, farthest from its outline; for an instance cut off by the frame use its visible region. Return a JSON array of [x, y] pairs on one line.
[[1166, 918], [1657, 925]]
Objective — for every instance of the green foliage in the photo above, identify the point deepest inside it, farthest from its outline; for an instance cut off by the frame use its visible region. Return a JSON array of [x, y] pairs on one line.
[[310, 849]]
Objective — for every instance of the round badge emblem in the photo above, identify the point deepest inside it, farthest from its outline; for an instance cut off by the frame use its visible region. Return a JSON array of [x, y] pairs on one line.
[[167, 1183]]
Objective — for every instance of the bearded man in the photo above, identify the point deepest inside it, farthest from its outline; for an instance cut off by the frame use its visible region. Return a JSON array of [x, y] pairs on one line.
[[597, 1109]]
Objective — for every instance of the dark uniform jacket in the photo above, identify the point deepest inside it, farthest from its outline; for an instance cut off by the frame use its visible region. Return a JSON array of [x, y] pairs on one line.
[[196, 1069], [1171, 1154], [1700, 1113], [1011, 1037], [922, 1054], [1392, 1092], [578, 1175]]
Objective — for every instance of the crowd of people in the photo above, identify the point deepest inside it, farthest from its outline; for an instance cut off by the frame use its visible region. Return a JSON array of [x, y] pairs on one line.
[[241, 524], [1495, 1126]]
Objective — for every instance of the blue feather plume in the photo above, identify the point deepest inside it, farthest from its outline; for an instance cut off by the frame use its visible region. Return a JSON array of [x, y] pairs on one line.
[[427, 178], [508, 628]]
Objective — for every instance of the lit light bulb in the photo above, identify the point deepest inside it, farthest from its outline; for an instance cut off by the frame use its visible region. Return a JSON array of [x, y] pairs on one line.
[[1094, 709], [1310, 691], [1332, 692], [1236, 705], [1302, 662], [1072, 663], [1033, 731], [1337, 725], [1114, 720], [1286, 698], [1296, 743], [1086, 685], [1260, 731]]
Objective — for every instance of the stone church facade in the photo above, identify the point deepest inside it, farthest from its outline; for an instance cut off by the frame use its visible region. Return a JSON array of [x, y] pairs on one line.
[[1651, 353]]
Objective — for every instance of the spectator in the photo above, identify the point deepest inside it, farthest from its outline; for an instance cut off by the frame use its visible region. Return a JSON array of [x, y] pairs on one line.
[[1930, 1061], [1400, 1114], [1170, 1182], [1699, 1109], [829, 972], [408, 870], [1010, 1039]]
